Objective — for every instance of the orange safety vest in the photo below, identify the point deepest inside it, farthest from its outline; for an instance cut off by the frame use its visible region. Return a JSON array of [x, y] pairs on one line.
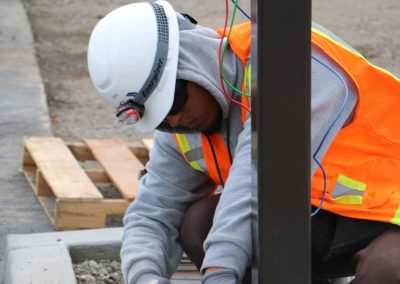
[[363, 162]]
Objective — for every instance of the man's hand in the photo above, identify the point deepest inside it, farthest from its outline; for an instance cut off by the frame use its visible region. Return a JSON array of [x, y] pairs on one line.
[[219, 275], [150, 278]]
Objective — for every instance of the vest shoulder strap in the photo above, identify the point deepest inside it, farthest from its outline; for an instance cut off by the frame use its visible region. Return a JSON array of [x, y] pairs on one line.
[[239, 40]]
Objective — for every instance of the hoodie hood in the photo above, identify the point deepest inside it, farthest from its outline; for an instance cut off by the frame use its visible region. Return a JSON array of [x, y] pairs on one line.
[[198, 63]]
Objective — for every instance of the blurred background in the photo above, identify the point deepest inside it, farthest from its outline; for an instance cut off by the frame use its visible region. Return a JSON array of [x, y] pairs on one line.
[[61, 31]]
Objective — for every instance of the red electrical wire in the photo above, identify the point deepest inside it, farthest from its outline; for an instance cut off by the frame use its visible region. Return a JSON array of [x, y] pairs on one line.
[[220, 62]]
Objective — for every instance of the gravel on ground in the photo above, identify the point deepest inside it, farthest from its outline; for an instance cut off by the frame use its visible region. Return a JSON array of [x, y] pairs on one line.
[[101, 272]]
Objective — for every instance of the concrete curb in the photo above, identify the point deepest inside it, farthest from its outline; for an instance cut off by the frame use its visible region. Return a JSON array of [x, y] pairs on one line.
[[47, 264], [47, 257]]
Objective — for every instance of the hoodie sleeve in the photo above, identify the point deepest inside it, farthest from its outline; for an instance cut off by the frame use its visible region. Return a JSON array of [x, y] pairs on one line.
[[152, 221], [229, 243]]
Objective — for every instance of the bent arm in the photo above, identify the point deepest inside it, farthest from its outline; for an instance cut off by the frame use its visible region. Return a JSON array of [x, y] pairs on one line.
[[152, 221], [229, 243]]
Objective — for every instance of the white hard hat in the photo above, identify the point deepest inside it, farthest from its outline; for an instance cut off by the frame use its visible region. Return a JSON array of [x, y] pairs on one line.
[[132, 61]]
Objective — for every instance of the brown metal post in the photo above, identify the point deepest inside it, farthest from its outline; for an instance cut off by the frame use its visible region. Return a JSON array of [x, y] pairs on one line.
[[281, 140]]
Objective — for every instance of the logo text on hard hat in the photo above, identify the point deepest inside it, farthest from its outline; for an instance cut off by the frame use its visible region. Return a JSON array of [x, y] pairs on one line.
[[156, 74]]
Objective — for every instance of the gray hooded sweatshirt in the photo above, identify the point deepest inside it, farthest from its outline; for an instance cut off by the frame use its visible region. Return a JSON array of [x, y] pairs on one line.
[[152, 222]]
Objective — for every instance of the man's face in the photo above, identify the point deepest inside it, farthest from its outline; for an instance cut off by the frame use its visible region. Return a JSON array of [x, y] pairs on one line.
[[201, 111]]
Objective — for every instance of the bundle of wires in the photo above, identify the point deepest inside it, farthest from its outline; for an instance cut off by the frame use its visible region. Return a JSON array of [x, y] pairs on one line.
[[221, 54]]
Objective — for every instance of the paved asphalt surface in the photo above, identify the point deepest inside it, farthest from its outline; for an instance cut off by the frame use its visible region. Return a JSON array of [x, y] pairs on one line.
[[23, 112]]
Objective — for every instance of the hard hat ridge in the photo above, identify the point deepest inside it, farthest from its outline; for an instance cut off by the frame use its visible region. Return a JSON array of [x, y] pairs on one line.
[[160, 58]]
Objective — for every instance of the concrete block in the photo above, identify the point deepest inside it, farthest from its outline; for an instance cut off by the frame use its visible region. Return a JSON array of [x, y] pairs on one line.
[[47, 257], [39, 265]]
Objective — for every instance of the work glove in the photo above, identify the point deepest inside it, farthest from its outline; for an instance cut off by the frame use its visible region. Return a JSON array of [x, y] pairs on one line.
[[223, 276], [150, 278]]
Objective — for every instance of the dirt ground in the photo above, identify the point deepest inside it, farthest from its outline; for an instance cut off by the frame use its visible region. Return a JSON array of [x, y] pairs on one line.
[[62, 28]]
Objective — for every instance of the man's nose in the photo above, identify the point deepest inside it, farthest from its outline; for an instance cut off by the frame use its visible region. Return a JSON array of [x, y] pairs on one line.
[[174, 120]]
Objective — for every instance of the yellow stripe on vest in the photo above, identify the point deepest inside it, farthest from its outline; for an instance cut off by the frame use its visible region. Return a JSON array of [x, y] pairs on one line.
[[396, 218], [348, 199], [185, 147], [351, 183], [247, 81]]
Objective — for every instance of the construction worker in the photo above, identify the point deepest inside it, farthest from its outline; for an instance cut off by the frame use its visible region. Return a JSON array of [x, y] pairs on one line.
[[160, 70]]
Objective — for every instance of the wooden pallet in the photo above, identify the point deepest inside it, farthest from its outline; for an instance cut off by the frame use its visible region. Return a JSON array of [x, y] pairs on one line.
[[69, 178]]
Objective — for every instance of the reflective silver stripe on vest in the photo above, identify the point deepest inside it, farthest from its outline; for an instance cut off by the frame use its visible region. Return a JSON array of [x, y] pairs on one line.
[[194, 154], [341, 190], [196, 146]]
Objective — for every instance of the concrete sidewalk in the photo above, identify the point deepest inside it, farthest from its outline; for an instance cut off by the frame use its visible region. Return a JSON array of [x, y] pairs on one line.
[[23, 112]]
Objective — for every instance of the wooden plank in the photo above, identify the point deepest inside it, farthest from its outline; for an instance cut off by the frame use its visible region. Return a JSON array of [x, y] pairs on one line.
[[148, 143], [86, 213], [48, 203], [121, 165], [142, 153], [98, 176], [60, 169], [82, 152], [42, 188], [31, 178], [28, 164]]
